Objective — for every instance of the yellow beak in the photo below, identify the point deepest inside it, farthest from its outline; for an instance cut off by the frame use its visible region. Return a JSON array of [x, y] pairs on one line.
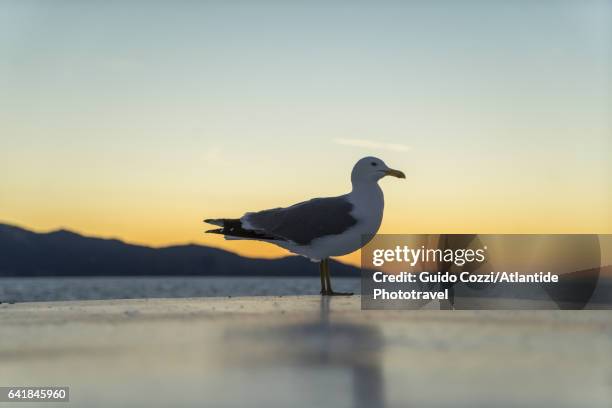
[[395, 173]]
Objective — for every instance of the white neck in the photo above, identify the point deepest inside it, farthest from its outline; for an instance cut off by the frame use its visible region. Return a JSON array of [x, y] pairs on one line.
[[368, 193], [367, 187]]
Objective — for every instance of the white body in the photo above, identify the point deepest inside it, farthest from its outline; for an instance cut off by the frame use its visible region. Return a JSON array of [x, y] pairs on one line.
[[368, 206]]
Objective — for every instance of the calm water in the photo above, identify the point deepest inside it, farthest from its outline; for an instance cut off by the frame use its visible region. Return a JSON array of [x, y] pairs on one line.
[[45, 289]]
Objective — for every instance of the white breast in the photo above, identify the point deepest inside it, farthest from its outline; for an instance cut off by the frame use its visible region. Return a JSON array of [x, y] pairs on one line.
[[369, 204]]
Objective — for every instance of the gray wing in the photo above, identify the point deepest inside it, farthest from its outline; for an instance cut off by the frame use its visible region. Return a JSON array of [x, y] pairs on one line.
[[303, 222]]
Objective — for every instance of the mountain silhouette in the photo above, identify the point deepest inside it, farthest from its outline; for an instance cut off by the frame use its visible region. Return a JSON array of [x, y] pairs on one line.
[[65, 253]]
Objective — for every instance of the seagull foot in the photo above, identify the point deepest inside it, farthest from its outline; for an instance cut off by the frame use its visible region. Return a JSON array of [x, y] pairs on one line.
[[332, 293]]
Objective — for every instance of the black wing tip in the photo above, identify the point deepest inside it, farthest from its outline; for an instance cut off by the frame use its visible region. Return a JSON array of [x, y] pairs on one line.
[[219, 222]]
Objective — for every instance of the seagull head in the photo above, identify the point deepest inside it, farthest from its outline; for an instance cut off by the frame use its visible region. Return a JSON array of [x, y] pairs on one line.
[[372, 169]]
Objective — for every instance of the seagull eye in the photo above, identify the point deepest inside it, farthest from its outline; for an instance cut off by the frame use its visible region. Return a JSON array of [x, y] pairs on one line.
[[374, 164]]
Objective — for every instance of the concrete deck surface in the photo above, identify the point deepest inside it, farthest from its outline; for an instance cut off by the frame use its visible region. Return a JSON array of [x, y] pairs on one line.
[[304, 352]]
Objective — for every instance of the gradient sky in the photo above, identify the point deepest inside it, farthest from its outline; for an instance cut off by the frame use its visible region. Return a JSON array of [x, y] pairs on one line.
[[136, 120]]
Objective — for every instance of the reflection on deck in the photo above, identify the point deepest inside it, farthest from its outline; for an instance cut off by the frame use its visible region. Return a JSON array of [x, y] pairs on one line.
[[320, 344]]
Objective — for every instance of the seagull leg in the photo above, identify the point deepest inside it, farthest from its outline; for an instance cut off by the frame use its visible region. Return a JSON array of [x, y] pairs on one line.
[[329, 291], [322, 271], [326, 274]]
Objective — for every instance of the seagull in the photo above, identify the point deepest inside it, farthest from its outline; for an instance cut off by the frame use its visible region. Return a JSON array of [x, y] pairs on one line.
[[322, 227]]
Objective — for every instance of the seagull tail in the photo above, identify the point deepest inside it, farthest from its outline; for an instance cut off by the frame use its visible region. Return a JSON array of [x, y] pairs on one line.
[[232, 229], [219, 222]]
